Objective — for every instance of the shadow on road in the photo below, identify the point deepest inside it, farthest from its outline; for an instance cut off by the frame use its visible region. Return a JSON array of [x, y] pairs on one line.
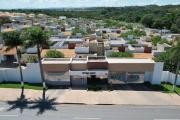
[[20, 103], [42, 104]]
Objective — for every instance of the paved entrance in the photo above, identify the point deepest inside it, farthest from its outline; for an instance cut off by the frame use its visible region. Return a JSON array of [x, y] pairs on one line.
[[121, 97], [132, 86]]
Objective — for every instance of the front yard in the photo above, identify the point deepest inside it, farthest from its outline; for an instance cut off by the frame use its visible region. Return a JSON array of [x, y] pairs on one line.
[[18, 85], [166, 88]]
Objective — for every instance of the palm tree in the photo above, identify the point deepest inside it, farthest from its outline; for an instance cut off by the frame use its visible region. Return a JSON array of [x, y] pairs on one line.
[[13, 40], [38, 37], [176, 53]]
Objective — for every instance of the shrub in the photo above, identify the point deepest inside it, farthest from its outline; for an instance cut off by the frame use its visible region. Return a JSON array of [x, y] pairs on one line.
[[33, 59], [54, 54], [134, 33], [158, 39], [78, 31], [132, 42], [122, 55]]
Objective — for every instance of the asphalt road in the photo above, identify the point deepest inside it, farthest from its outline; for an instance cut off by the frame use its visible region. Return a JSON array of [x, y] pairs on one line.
[[42, 111]]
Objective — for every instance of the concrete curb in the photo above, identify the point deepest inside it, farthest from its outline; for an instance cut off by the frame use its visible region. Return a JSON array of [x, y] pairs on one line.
[[65, 103]]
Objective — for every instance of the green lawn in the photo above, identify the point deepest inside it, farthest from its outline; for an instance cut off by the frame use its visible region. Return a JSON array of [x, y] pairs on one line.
[[166, 88], [18, 86], [137, 24]]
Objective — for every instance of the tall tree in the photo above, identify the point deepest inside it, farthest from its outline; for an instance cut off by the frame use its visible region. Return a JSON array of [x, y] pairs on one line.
[[174, 28], [147, 20], [38, 37], [13, 40], [158, 23], [176, 53]]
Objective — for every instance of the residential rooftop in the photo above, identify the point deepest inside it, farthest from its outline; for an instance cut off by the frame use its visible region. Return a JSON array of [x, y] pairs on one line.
[[129, 60], [109, 60], [79, 60], [56, 60]]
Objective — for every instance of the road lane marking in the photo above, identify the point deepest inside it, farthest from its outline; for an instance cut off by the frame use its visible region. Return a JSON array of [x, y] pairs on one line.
[[79, 118], [166, 119], [8, 115]]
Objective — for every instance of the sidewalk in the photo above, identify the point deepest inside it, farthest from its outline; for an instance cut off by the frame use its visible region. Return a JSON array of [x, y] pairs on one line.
[[117, 97]]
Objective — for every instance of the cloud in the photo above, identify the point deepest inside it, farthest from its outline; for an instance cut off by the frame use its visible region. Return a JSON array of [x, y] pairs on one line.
[[141, 3], [154, 2], [11, 4]]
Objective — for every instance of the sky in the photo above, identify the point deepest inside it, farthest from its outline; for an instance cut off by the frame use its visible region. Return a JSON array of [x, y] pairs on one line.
[[13, 4]]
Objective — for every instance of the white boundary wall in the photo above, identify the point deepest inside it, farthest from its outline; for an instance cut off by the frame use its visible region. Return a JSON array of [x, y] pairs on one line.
[[169, 77], [31, 74], [155, 76]]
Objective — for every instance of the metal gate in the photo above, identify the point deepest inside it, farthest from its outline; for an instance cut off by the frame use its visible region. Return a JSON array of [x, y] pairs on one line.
[[78, 80]]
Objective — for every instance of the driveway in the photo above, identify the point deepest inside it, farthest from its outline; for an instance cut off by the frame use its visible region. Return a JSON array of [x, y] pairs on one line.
[[132, 87]]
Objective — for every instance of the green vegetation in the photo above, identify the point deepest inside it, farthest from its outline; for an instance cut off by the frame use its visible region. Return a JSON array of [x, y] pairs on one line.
[[18, 86], [78, 31], [129, 26], [132, 42], [175, 50], [52, 32], [153, 16], [171, 60], [166, 88], [38, 37], [122, 55], [99, 25], [54, 54], [147, 20], [48, 23], [134, 33], [168, 59], [158, 39], [110, 23], [13, 40], [33, 59], [95, 88], [138, 24]]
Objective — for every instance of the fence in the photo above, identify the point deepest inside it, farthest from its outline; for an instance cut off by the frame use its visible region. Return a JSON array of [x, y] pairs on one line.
[[169, 77]]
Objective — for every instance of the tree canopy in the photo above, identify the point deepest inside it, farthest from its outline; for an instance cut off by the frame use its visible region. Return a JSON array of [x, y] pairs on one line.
[[78, 31], [158, 39], [54, 54], [132, 42], [134, 33], [150, 15], [167, 57]]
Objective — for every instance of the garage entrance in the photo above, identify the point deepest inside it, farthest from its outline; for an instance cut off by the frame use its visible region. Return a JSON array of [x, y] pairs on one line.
[[97, 80], [78, 80]]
